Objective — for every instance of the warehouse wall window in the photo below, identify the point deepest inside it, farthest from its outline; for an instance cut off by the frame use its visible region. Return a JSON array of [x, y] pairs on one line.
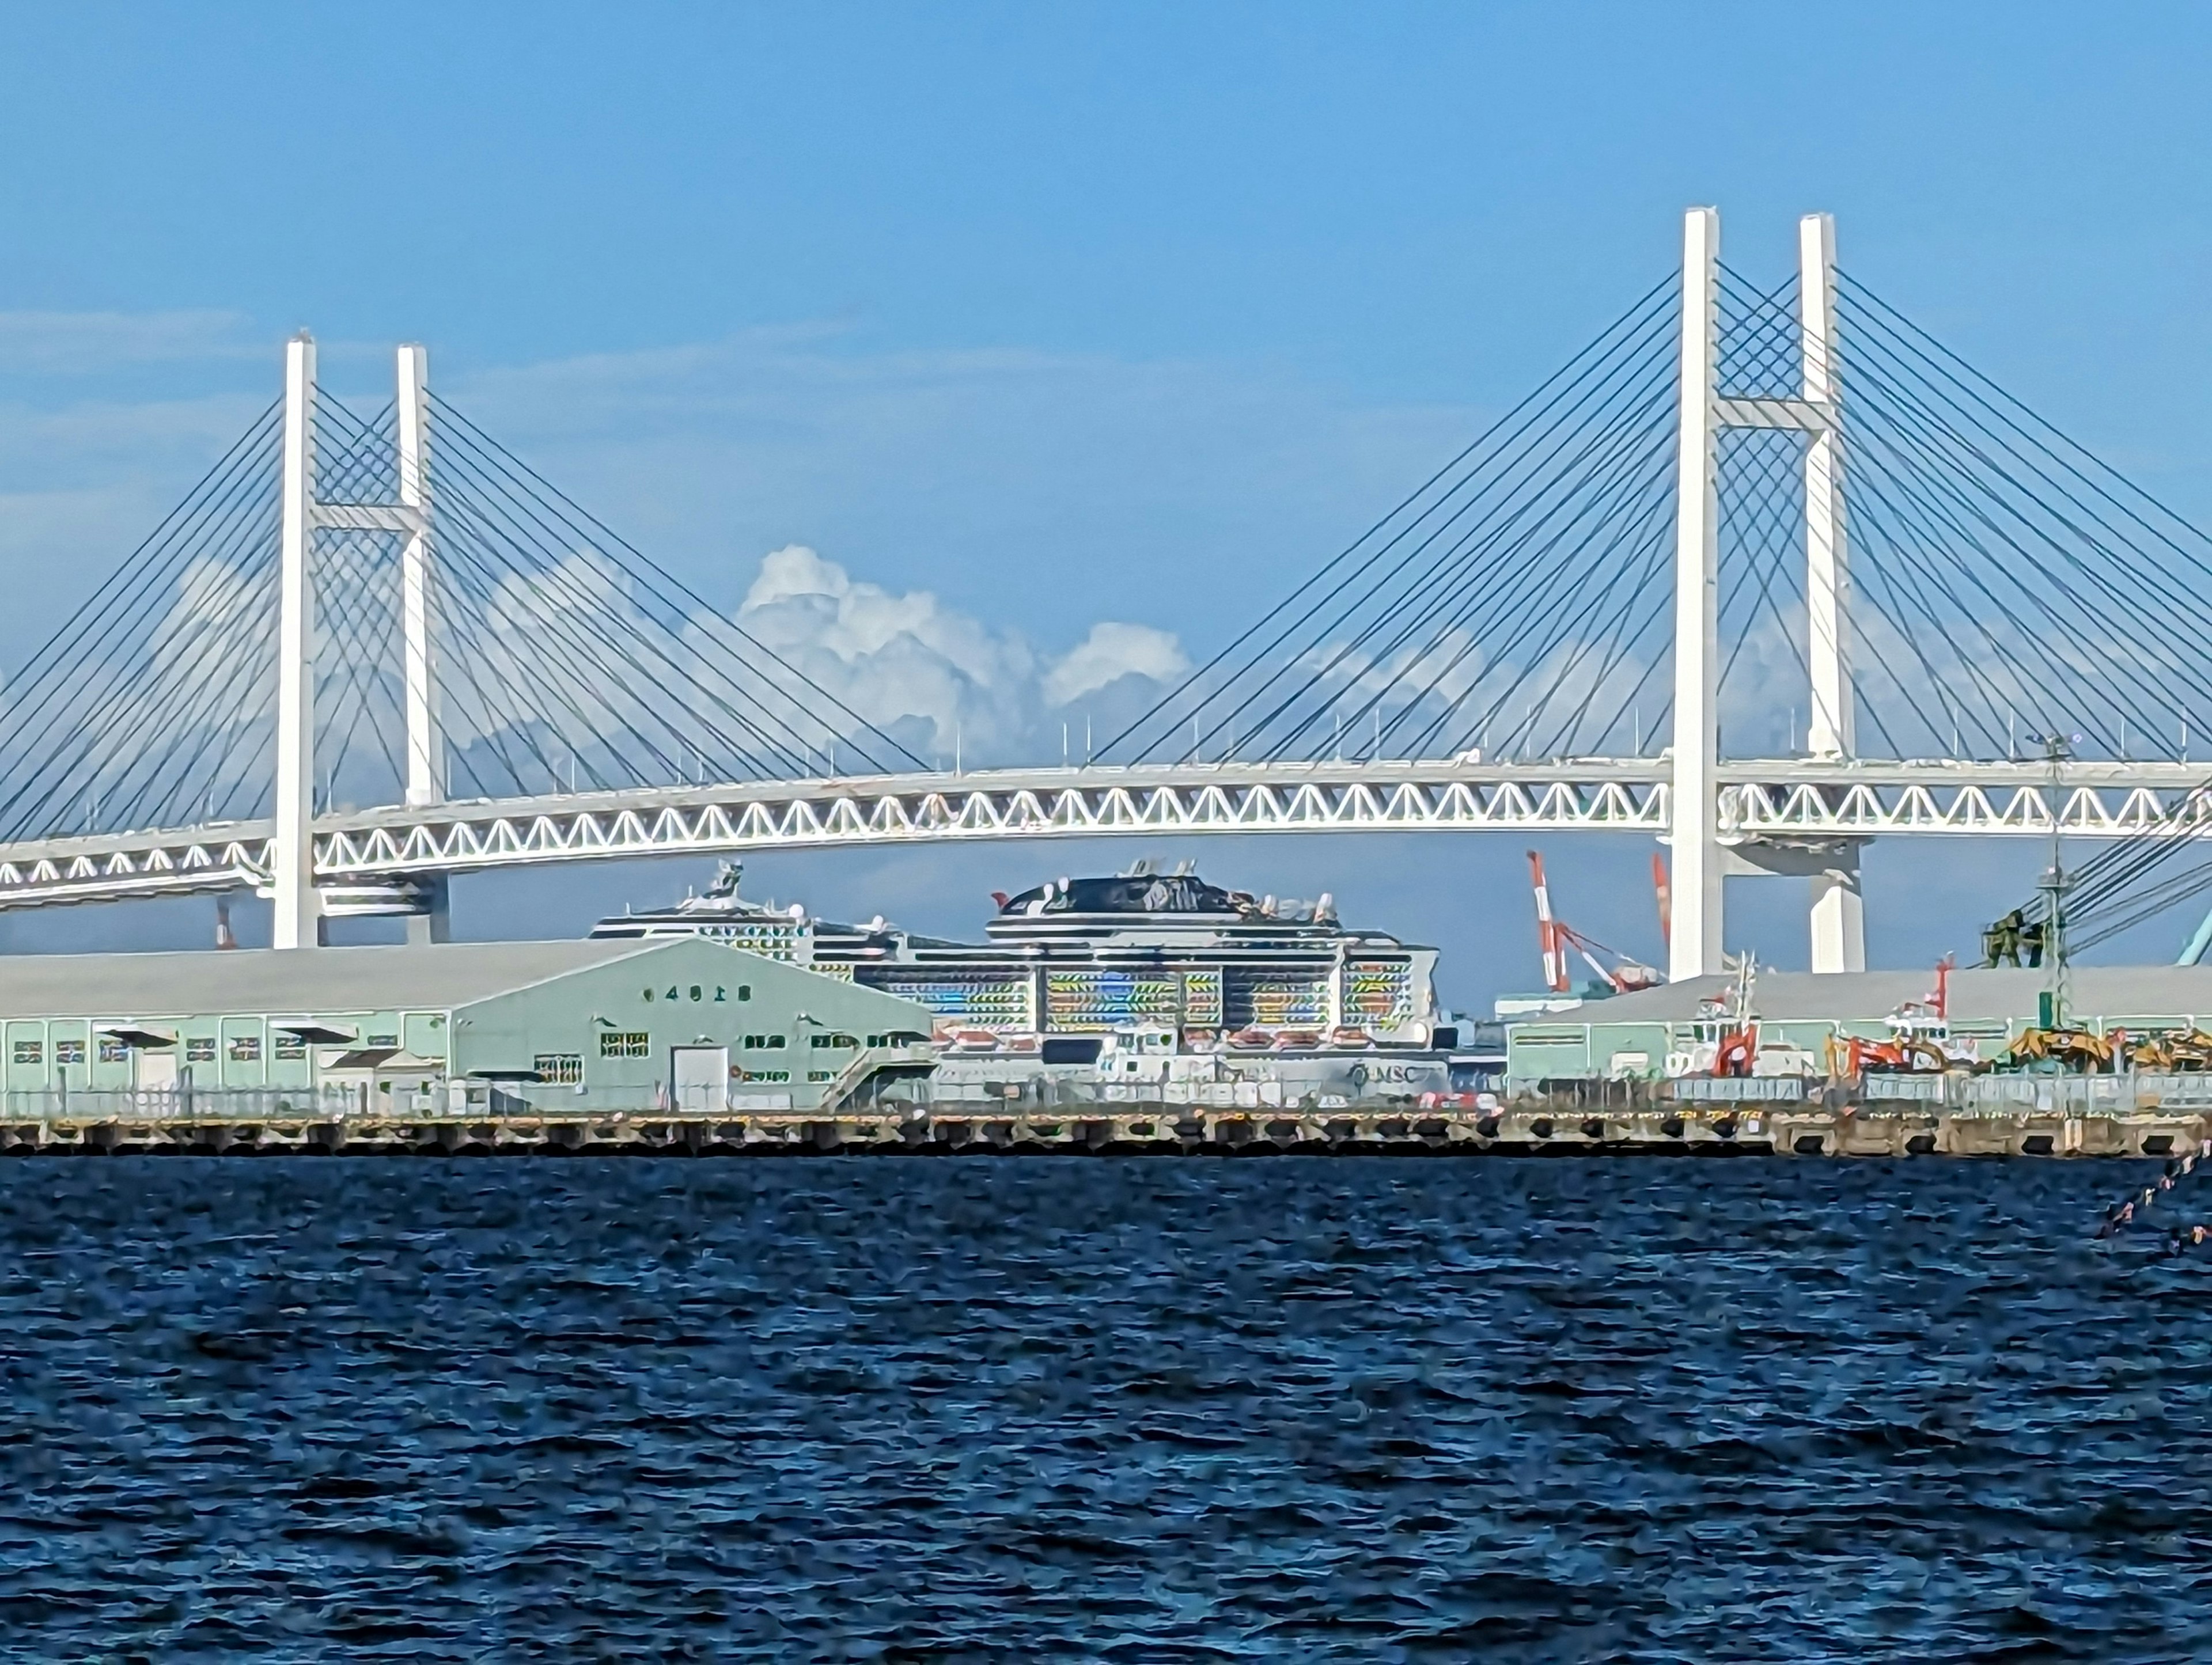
[[245, 1048], [27, 1052], [565, 1069], [624, 1043], [69, 1052], [200, 1049]]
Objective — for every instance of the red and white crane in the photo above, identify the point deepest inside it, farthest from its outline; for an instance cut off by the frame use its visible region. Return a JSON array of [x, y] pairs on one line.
[[1554, 936]]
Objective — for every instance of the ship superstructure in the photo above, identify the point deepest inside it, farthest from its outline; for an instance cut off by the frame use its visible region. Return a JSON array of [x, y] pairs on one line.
[[788, 934], [1165, 961]]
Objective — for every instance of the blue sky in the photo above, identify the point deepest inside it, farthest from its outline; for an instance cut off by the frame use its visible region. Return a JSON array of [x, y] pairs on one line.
[[1060, 314]]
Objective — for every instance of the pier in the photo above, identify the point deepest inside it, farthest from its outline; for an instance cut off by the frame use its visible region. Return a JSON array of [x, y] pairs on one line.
[[1533, 1128]]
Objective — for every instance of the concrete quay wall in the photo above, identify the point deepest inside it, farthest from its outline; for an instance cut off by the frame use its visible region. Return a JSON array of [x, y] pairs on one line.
[[1537, 1130]]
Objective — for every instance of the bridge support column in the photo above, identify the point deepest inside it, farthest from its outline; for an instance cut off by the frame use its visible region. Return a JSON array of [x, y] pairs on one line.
[[298, 921], [424, 765], [1839, 917], [1832, 866], [1838, 921], [436, 924], [1694, 940]]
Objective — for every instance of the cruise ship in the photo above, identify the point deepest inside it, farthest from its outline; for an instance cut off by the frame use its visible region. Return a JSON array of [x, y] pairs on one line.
[[1154, 962]]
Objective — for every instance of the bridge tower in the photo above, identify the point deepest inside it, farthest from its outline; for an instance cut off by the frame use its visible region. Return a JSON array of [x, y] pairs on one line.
[[299, 920], [301, 907], [1703, 862]]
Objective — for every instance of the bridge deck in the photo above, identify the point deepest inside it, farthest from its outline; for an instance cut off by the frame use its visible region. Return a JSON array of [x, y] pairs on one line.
[[1783, 800]]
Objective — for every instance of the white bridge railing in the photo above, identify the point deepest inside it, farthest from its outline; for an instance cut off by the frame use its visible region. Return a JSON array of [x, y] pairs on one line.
[[1790, 801]]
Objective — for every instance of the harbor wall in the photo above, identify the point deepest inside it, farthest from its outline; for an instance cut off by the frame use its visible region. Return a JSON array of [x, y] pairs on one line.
[[1802, 1128]]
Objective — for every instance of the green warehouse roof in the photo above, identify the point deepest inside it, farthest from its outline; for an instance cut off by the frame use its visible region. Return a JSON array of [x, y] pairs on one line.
[[2104, 991], [432, 977]]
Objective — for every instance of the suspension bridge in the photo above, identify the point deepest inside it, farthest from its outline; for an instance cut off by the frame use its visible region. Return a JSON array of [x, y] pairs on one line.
[[1763, 571]]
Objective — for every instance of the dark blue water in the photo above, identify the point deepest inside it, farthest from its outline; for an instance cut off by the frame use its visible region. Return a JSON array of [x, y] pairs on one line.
[[1072, 1409]]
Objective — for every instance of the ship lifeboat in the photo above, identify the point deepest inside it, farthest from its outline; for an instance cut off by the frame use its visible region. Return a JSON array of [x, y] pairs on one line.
[[1251, 1040], [975, 1040], [1350, 1036], [1022, 1043], [1299, 1040]]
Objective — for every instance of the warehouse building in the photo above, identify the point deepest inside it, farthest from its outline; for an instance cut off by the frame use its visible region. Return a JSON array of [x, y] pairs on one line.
[[1631, 1036], [686, 1023]]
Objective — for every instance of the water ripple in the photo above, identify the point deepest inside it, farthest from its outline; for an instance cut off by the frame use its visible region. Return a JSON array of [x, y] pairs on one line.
[[1130, 1411]]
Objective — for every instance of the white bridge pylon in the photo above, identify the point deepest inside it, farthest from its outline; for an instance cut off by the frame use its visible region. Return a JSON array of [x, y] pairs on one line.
[[290, 867], [1702, 860]]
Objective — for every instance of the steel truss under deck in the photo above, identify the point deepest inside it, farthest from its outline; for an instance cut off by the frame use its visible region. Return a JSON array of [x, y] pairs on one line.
[[1785, 802]]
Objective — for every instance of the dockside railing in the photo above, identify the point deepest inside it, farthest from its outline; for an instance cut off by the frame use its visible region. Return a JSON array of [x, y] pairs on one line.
[[2120, 1094]]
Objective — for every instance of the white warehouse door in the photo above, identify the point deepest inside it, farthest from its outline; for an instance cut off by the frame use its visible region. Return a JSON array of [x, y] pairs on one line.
[[702, 1079]]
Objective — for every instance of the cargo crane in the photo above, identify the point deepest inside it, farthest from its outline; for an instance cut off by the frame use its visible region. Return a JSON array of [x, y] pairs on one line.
[[1554, 937]]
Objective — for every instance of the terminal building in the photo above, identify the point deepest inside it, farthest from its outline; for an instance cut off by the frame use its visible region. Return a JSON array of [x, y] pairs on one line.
[[680, 1024], [1630, 1036]]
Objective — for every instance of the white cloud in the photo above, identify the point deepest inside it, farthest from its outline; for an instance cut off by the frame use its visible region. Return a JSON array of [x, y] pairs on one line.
[[1109, 653], [901, 661]]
